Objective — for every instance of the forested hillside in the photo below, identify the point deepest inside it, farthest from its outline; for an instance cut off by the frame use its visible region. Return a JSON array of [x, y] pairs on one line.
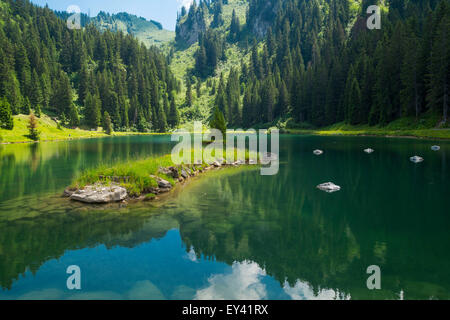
[[81, 76], [260, 63], [316, 63]]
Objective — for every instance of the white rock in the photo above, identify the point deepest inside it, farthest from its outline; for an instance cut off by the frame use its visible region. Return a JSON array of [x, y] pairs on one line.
[[100, 194], [269, 156], [369, 151], [435, 148], [329, 187], [318, 152], [416, 159], [216, 164]]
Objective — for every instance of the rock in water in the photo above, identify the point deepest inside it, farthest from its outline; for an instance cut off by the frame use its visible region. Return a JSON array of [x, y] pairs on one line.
[[416, 159], [329, 187], [369, 151], [100, 194], [216, 164], [269, 156], [435, 148], [164, 184], [318, 152]]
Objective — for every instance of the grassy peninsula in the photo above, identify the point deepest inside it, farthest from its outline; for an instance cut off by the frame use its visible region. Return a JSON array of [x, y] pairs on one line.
[[145, 178]]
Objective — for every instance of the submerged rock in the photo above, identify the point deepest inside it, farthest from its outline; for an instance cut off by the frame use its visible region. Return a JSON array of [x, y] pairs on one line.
[[369, 150], [435, 148], [100, 194], [318, 152], [416, 159], [329, 187], [68, 192]]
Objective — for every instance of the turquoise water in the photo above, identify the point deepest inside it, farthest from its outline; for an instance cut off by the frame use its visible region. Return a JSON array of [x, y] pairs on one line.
[[237, 235]]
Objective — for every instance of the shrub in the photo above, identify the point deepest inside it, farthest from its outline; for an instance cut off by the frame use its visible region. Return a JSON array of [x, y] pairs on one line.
[[32, 127]]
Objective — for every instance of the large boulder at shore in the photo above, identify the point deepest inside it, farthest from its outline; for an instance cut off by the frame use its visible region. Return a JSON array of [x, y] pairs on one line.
[[100, 194], [164, 184]]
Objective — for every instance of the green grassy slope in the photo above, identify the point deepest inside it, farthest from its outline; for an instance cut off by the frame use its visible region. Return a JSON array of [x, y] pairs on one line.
[[49, 131], [183, 61]]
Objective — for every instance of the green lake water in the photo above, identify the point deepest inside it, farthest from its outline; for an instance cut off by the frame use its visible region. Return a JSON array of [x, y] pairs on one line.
[[237, 235]]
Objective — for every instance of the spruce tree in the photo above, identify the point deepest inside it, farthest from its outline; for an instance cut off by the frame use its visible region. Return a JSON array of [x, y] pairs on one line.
[[218, 122], [188, 100], [38, 110], [6, 119], [354, 102], [173, 118], [107, 125], [440, 67], [74, 118], [92, 113]]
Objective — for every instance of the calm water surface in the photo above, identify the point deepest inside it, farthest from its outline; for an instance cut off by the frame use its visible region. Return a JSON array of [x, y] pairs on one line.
[[232, 236]]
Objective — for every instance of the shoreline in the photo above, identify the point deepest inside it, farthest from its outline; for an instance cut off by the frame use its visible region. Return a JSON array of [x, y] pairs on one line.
[[422, 134], [101, 136]]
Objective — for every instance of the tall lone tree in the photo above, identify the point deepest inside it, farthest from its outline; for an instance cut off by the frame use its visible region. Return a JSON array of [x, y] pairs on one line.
[[33, 133]]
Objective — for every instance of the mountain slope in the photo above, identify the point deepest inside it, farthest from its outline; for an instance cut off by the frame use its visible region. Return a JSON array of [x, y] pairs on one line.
[[182, 56], [149, 32]]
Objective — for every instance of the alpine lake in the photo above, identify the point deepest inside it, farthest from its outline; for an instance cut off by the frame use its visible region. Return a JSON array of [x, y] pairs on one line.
[[232, 234]]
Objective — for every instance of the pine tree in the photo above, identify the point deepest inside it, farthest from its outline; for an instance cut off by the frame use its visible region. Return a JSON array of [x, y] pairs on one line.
[[38, 110], [26, 109], [92, 113], [354, 102], [174, 118], [62, 95], [13, 94], [106, 123], [235, 27], [161, 120], [36, 93], [440, 67], [74, 118], [6, 119], [283, 100], [83, 85], [218, 122], [188, 100], [268, 100]]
